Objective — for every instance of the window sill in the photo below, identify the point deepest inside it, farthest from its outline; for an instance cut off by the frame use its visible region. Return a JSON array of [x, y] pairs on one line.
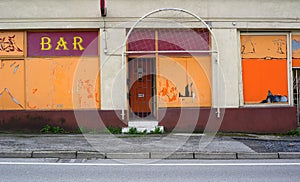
[[281, 104]]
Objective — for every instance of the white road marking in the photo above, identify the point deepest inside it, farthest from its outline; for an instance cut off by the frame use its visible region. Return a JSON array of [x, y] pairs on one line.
[[155, 164], [189, 134]]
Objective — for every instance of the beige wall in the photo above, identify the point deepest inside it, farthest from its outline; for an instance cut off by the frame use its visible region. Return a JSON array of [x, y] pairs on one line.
[[78, 13]]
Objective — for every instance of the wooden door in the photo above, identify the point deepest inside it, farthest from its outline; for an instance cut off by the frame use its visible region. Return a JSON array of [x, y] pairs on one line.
[[140, 86]]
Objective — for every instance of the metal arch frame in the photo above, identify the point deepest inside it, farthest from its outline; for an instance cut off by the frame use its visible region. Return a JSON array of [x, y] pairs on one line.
[[169, 9]]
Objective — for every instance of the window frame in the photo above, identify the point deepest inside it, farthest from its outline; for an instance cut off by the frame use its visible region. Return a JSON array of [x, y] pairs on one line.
[[289, 69]]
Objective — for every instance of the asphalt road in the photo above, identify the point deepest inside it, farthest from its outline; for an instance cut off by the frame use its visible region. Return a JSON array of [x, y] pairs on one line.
[[147, 170]]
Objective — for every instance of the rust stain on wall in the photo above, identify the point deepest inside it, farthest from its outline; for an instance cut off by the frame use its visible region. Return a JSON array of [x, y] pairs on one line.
[[34, 90]]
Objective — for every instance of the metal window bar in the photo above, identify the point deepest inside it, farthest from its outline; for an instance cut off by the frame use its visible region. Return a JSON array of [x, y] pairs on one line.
[[296, 92], [148, 89]]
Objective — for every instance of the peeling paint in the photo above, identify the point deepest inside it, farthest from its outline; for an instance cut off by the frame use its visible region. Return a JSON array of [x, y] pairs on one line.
[[16, 68], [85, 90], [11, 96], [11, 65]]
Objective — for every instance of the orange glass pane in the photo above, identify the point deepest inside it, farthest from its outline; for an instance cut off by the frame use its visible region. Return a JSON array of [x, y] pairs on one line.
[[296, 46], [12, 84], [259, 76], [263, 46], [86, 87], [63, 83], [63, 70], [184, 82], [39, 83], [296, 63]]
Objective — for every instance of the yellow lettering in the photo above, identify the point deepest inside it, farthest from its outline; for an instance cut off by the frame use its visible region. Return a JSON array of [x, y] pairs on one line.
[[61, 43], [77, 42], [46, 43]]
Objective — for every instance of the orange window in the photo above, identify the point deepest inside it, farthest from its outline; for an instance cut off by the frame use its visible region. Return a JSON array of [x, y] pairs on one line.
[[12, 84], [296, 50], [63, 83], [184, 81], [264, 68], [12, 87]]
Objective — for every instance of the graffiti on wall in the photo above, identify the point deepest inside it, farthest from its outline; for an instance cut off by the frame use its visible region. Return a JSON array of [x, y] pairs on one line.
[[168, 91], [11, 43], [8, 44], [263, 46]]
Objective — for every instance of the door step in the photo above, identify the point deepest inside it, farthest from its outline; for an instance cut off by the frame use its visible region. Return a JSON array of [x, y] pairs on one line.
[[142, 126]]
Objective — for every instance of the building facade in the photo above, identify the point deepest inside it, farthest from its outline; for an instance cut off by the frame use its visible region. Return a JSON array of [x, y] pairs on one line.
[[200, 65]]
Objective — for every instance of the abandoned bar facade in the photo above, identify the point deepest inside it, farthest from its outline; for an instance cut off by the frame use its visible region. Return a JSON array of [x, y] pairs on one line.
[[231, 66]]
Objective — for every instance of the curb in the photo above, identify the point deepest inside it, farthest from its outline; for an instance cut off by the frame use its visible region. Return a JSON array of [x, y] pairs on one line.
[[16, 154], [140, 155], [171, 155], [148, 155], [257, 156], [227, 156], [289, 155], [90, 155], [54, 154]]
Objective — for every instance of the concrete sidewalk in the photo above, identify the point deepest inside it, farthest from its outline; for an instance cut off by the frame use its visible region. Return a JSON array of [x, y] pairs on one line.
[[167, 146]]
